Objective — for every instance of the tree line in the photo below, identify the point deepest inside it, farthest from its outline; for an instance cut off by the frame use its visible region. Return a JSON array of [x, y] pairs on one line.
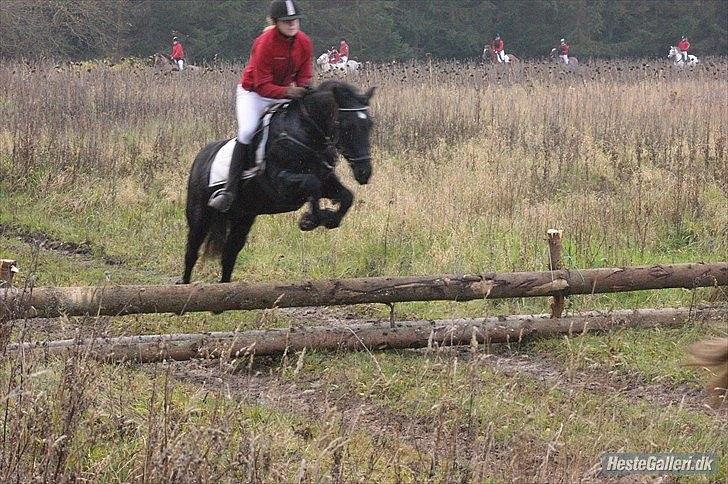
[[377, 30]]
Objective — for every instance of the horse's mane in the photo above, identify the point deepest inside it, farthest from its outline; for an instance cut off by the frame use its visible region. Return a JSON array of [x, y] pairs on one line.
[[341, 87]]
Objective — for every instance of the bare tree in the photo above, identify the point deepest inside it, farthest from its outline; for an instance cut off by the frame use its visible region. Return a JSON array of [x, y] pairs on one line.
[[33, 28]]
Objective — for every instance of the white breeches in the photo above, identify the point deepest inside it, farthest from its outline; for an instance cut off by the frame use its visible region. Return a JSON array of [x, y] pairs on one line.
[[249, 107], [180, 64], [501, 56], [343, 59], [564, 59]]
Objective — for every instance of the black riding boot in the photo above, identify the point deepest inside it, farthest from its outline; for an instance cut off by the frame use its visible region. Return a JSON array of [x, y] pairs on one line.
[[222, 200]]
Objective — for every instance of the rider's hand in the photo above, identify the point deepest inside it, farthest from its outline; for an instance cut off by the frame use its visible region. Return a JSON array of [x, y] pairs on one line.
[[295, 92]]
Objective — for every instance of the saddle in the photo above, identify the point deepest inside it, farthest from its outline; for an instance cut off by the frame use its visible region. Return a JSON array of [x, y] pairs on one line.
[[253, 166]]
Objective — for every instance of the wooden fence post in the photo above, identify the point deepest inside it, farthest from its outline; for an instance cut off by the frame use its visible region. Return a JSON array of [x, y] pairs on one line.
[[8, 268], [555, 264]]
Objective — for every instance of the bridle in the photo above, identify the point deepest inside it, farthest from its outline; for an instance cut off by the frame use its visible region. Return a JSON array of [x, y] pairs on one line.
[[354, 160], [331, 140]]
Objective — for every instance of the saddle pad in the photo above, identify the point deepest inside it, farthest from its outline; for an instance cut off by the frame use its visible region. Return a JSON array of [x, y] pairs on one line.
[[221, 163]]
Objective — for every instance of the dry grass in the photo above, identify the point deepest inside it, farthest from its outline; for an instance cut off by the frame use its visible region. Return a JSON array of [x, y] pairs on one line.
[[473, 164]]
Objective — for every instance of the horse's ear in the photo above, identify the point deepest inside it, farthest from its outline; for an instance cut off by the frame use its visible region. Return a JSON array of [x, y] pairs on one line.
[[370, 93]]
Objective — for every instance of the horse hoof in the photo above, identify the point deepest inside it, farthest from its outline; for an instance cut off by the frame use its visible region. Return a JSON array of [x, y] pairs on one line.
[[307, 222], [180, 281], [330, 219]]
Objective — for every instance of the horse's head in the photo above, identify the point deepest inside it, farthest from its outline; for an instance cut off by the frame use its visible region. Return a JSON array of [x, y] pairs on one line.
[[355, 125], [672, 53]]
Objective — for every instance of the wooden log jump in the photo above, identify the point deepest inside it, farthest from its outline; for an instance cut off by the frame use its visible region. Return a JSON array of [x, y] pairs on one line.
[[119, 300], [373, 336]]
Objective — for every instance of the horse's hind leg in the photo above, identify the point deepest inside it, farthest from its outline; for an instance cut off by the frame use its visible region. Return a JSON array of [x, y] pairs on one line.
[[198, 228], [237, 236]]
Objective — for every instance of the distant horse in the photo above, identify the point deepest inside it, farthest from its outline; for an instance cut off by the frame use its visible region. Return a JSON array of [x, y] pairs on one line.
[[489, 55], [677, 58], [554, 56], [163, 63], [713, 354], [348, 67], [303, 145]]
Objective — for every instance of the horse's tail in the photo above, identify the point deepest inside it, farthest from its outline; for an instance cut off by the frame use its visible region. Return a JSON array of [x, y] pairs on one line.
[[216, 236], [713, 355]]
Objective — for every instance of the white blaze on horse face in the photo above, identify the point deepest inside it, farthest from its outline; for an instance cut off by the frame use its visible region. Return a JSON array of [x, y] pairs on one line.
[[361, 114]]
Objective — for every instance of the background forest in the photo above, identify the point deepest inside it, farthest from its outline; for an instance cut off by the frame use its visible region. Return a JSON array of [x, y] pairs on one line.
[[377, 30]]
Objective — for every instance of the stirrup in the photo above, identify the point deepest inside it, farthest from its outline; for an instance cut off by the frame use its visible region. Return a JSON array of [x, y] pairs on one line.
[[221, 200]]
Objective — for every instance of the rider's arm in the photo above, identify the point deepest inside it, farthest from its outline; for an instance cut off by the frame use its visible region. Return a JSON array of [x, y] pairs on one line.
[[263, 73]]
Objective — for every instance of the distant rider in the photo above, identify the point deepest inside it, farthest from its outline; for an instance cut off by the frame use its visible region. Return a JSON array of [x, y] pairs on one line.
[[178, 54], [683, 47], [497, 46], [563, 50], [334, 56], [343, 51]]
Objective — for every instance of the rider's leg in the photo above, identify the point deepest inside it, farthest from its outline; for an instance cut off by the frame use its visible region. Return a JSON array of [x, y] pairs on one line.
[[685, 56], [181, 64], [344, 58], [566, 59], [248, 108], [501, 56]]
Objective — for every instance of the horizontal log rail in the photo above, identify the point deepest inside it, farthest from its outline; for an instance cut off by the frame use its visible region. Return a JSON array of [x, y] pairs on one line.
[[372, 336], [120, 300]]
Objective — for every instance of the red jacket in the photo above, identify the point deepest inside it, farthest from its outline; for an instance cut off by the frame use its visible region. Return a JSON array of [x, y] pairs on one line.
[[276, 61], [564, 49], [497, 45], [683, 45], [177, 51], [344, 49]]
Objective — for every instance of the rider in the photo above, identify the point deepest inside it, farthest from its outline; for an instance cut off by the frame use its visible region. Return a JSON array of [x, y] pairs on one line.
[[563, 50], [280, 67], [334, 56], [497, 46], [178, 54], [343, 51], [683, 47]]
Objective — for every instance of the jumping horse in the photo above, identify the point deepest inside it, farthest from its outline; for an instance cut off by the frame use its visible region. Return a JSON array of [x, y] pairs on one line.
[[302, 147]]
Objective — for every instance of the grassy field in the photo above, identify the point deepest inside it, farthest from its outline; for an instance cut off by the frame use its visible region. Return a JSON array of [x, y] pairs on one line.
[[472, 165]]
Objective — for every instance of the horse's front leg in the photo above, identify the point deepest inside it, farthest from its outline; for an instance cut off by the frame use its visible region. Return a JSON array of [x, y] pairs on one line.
[[310, 186], [338, 193]]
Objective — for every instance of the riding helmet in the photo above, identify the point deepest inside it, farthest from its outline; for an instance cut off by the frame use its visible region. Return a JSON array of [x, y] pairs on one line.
[[284, 10]]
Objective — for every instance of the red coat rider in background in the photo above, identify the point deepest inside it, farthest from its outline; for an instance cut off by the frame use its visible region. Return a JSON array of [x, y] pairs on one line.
[[334, 56], [497, 46], [563, 50], [683, 47], [178, 54], [280, 67], [343, 50]]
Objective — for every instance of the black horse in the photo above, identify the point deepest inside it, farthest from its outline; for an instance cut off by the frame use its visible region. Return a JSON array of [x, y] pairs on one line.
[[303, 145]]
